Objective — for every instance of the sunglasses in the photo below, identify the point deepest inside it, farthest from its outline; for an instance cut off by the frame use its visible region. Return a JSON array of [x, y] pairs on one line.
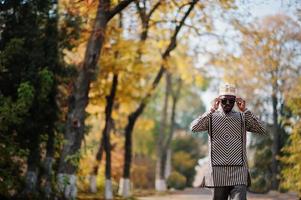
[[229, 101]]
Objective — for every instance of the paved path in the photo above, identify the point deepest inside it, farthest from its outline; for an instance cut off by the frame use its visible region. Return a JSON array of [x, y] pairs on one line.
[[205, 194]]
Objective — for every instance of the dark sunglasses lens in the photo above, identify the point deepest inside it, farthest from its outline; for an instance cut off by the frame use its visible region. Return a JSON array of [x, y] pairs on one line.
[[231, 101], [224, 101]]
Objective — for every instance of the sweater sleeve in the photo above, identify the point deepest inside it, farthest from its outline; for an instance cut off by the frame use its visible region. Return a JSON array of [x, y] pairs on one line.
[[201, 123], [253, 124]]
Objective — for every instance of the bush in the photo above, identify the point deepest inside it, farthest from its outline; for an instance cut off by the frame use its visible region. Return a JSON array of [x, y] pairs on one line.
[[187, 144], [143, 173], [260, 166], [176, 180], [183, 163], [260, 181]]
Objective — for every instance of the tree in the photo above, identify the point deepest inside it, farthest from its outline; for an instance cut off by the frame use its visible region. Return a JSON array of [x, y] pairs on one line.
[[75, 127], [29, 64], [105, 143], [145, 15], [134, 115], [290, 174]]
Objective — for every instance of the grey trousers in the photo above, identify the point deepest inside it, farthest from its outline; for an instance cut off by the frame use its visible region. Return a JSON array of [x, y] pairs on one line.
[[237, 192]]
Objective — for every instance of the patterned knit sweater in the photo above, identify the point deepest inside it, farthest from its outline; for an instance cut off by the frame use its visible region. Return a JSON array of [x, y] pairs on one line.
[[227, 164]]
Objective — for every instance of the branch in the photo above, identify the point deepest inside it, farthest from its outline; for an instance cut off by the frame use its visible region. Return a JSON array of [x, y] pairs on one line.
[[153, 22], [141, 12], [173, 40], [171, 46], [196, 30], [183, 5], [118, 8], [200, 33], [153, 9]]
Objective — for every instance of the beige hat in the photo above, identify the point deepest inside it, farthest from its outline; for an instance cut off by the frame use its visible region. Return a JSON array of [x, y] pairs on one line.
[[227, 89]]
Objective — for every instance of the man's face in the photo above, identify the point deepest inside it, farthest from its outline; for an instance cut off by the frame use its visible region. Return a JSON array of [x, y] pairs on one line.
[[227, 102]]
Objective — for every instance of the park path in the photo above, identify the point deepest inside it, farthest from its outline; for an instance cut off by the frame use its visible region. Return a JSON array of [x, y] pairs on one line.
[[205, 194]]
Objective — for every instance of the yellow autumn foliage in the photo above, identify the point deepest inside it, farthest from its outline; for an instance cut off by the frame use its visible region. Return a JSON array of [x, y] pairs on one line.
[[291, 173]]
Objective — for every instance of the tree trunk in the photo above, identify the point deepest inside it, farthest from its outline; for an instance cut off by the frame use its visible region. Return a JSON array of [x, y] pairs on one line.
[[79, 98], [276, 144], [108, 182], [105, 140], [175, 97], [47, 166], [107, 129], [94, 171], [31, 178], [168, 164], [166, 141], [125, 183], [160, 183]]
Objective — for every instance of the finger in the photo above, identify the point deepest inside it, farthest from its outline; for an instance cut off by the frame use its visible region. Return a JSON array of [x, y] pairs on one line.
[[240, 100], [216, 101]]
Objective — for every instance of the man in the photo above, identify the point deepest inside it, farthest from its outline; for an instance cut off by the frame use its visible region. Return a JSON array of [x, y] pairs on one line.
[[227, 171]]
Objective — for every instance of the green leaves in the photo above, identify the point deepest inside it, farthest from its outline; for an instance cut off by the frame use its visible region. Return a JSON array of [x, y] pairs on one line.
[[74, 158], [46, 83], [25, 97], [176, 180], [185, 156], [12, 112]]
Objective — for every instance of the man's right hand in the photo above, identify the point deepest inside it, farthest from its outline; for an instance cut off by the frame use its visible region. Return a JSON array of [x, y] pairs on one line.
[[215, 104]]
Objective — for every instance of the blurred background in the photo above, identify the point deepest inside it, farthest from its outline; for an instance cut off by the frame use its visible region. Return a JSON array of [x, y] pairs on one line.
[[96, 96]]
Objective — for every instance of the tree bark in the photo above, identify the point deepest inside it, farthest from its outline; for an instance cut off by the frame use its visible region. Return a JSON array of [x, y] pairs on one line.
[[79, 98], [160, 184], [166, 141], [276, 144], [105, 140], [47, 165], [175, 98], [107, 144], [32, 167], [94, 171]]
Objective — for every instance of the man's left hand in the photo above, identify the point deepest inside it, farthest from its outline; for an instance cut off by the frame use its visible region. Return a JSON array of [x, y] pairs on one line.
[[241, 104]]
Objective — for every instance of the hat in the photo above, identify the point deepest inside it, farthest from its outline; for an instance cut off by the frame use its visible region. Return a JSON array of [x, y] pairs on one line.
[[227, 89]]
